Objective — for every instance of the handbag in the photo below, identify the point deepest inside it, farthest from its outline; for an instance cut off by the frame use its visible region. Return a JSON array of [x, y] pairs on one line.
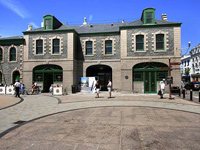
[[159, 92]]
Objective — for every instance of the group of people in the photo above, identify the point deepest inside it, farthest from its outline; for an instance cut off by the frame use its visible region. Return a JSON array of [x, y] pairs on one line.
[[97, 87]]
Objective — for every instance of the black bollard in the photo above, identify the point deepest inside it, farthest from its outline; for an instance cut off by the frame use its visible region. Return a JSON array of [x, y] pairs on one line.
[[199, 96], [183, 93], [191, 94]]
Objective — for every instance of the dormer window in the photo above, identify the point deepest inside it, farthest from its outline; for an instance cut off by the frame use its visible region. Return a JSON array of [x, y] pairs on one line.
[[148, 16]]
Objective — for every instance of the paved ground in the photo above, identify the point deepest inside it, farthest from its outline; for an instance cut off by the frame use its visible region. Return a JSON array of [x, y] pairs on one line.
[[8, 100], [124, 122]]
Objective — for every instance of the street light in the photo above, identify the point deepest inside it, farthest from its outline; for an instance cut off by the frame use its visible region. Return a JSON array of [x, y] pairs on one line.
[[187, 48]]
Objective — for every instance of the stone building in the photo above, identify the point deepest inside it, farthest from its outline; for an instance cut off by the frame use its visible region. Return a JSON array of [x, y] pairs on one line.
[[130, 54]]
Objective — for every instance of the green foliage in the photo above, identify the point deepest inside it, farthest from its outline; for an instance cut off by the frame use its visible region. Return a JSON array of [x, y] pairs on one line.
[[187, 71]]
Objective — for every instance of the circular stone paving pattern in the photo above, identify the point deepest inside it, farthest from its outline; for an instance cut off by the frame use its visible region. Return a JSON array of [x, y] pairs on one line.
[[108, 128]]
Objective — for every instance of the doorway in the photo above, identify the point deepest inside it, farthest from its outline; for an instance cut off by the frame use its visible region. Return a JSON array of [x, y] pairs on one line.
[[102, 72], [48, 80]]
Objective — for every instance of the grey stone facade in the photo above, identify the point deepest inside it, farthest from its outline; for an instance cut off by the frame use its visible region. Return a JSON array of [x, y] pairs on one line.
[[8, 67]]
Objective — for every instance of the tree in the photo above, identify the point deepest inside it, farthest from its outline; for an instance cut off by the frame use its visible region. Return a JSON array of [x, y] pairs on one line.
[[187, 71]]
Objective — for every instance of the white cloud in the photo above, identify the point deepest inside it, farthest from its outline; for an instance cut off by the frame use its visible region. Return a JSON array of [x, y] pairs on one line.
[[34, 25], [16, 7]]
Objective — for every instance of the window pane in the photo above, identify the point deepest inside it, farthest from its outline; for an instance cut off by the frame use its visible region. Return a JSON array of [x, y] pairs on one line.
[[140, 42], [160, 37], [138, 76], [56, 45], [58, 77], [48, 24], [149, 18], [161, 75], [1, 54], [139, 38], [89, 48], [160, 45], [149, 15], [0, 77], [139, 46], [160, 41], [12, 54], [39, 46], [108, 48]]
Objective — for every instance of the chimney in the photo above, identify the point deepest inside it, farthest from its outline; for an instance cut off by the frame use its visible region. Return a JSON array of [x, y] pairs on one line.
[[85, 21], [164, 17], [30, 27], [123, 21]]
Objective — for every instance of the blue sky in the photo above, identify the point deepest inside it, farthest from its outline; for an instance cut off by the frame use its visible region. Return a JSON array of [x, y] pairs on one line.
[[16, 15]]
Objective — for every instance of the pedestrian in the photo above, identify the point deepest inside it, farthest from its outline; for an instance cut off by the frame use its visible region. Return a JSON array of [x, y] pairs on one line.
[[98, 88], [17, 88], [162, 87], [182, 84], [109, 87]]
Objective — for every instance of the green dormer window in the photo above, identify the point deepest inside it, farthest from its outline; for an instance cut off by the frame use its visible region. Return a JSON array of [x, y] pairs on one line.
[[148, 16], [48, 22]]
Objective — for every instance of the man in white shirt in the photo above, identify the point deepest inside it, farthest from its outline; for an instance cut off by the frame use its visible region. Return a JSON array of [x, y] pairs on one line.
[[109, 87], [17, 87], [162, 87]]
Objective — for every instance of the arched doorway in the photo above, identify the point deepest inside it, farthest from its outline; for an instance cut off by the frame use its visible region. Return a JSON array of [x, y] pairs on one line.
[[148, 75], [102, 73], [15, 76], [47, 75]]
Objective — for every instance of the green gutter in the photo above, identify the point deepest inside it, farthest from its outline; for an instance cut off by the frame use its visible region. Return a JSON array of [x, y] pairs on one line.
[[151, 26]]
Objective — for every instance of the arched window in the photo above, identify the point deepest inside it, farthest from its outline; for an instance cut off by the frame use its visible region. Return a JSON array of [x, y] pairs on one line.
[[56, 46], [160, 42], [88, 48], [108, 47], [139, 42], [1, 54], [13, 54], [39, 46]]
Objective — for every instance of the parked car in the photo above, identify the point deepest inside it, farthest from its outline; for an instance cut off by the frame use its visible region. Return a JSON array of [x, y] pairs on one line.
[[192, 85]]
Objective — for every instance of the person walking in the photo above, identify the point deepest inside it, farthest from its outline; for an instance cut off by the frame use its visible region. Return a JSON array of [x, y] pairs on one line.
[[98, 88], [17, 88], [162, 87], [109, 87]]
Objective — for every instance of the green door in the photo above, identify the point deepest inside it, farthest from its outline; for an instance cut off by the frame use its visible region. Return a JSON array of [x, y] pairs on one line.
[[149, 82]]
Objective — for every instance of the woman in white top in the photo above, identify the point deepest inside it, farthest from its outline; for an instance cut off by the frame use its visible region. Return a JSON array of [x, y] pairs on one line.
[[109, 88]]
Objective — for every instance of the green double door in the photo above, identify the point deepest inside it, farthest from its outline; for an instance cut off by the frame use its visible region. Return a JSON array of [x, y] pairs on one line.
[[150, 82]]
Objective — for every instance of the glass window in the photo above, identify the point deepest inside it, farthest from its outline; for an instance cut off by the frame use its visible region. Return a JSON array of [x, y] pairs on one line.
[[160, 42], [13, 54], [139, 42], [108, 48], [88, 48], [48, 23], [138, 76], [149, 17], [58, 77], [38, 77], [1, 54], [39, 46], [162, 75], [56, 46]]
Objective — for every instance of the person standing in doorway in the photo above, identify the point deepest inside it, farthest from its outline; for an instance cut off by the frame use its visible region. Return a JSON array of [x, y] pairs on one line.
[[98, 88], [17, 88], [109, 87], [162, 87]]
